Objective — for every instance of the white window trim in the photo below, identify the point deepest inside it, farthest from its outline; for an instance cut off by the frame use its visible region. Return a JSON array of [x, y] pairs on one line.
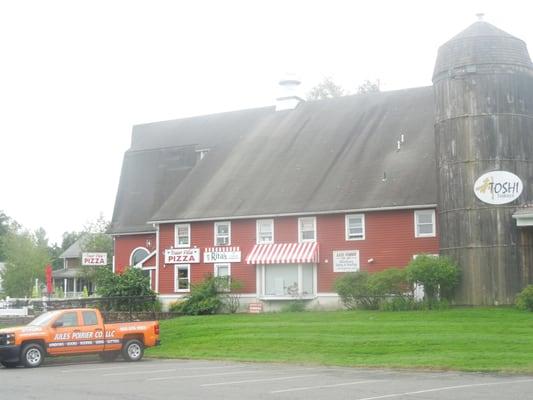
[[176, 239], [176, 268], [133, 252], [216, 265], [300, 240], [257, 235], [347, 226], [433, 233], [216, 232], [261, 272]]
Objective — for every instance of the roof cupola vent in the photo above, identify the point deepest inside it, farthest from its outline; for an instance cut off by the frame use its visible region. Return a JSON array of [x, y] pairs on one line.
[[289, 93]]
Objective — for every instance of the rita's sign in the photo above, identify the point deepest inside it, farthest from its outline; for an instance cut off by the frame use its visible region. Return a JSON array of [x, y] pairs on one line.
[[222, 254], [178, 256], [94, 259], [498, 187]]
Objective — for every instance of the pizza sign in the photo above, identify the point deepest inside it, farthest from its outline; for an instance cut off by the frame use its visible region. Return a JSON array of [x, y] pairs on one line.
[[178, 256], [90, 259]]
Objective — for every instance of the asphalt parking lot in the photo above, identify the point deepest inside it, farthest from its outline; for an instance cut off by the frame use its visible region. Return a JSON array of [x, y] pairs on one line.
[[206, 380]]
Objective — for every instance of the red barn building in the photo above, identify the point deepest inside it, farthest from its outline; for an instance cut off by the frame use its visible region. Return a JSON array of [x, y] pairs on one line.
[[285, 199]]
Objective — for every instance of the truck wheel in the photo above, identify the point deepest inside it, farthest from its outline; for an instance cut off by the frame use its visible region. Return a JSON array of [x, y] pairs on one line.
[[109, 356], [133, 350], [32, 355], [8, 364]]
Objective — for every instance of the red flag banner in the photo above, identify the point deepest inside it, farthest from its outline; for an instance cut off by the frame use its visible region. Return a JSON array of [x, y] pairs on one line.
[[48, 272]]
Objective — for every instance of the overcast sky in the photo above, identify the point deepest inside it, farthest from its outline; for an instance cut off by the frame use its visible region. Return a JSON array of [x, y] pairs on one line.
[[75, 76]]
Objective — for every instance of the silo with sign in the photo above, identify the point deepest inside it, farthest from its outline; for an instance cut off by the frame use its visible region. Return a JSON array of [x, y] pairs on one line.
[[483, 86]]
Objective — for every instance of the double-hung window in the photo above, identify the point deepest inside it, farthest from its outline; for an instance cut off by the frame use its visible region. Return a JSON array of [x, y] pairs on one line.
[[307, 229], [265, 231], [222, 233], [182, 235], [355, 227], [425, 223], [182, 277]]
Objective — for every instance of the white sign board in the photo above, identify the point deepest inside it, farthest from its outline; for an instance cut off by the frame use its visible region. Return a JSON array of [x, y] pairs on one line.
[[94, 259], [498, 187], [178, 256], [346, 261], [222, 256]]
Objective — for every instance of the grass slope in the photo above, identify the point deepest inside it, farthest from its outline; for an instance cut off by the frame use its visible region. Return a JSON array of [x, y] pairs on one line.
[[494, 339]]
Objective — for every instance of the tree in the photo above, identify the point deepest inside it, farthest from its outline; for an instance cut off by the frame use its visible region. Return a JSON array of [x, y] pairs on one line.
[[6, 226], [326, 89], [26, 259], [368, 87], [96, 239]]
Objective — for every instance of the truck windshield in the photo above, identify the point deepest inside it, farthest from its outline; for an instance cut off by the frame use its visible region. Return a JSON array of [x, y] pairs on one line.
[[43, 319]]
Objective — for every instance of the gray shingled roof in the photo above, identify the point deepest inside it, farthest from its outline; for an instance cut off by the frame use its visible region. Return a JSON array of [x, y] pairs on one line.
[[162, 154], [327, 155], [74, 250]]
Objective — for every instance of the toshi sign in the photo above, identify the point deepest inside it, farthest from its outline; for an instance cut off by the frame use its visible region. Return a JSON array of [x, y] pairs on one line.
[[498, 187], [90, 259]]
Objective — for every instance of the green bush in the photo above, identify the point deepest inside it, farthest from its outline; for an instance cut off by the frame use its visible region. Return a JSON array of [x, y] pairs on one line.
[[294, 306], [438, 275], [131, 283], [392, 281], [204, 298], [364, 290], [355, 292], [399, 303], [524, 299]]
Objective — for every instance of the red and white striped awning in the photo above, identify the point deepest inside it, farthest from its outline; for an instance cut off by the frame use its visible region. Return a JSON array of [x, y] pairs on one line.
[[284, 253]]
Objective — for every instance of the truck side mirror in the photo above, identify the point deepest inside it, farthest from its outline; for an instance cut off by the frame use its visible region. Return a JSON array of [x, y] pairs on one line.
[[57, 324]]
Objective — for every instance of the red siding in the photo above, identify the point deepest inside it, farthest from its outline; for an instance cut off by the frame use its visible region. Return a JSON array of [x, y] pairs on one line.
[[124, 245], [389, 240], [202, 236]]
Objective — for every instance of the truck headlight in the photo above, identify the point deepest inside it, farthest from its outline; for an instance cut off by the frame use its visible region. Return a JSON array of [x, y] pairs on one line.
[[10, 339]]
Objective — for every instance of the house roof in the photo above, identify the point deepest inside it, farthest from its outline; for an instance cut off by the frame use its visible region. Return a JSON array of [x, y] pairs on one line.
[[324, 156], [328, 155], [74, 250], [162, 154]]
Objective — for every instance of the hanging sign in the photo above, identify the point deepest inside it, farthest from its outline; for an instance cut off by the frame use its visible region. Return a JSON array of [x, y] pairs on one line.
[[94, 259], [222, 254], [346, 261], [498, 187], [178, 256]]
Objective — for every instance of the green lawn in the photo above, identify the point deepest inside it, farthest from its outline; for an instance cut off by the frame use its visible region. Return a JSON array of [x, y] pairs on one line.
[[495, 339]]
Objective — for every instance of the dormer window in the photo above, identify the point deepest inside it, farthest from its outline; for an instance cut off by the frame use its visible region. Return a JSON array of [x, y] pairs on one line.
[[200, 154]]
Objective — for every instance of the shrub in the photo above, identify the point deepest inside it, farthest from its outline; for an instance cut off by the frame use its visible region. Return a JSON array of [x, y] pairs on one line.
[[524, 299], [294, 306], [438, 275], [399, 303], [354, 290], [392, 281], [131, 283], [364, 290], [229, 294], [204, 298]]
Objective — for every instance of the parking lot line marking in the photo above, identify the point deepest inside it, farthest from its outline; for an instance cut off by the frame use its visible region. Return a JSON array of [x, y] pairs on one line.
[[69, 371], [163, 378], [441, 389], [156, 371], [323, 386], [282, 378]]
